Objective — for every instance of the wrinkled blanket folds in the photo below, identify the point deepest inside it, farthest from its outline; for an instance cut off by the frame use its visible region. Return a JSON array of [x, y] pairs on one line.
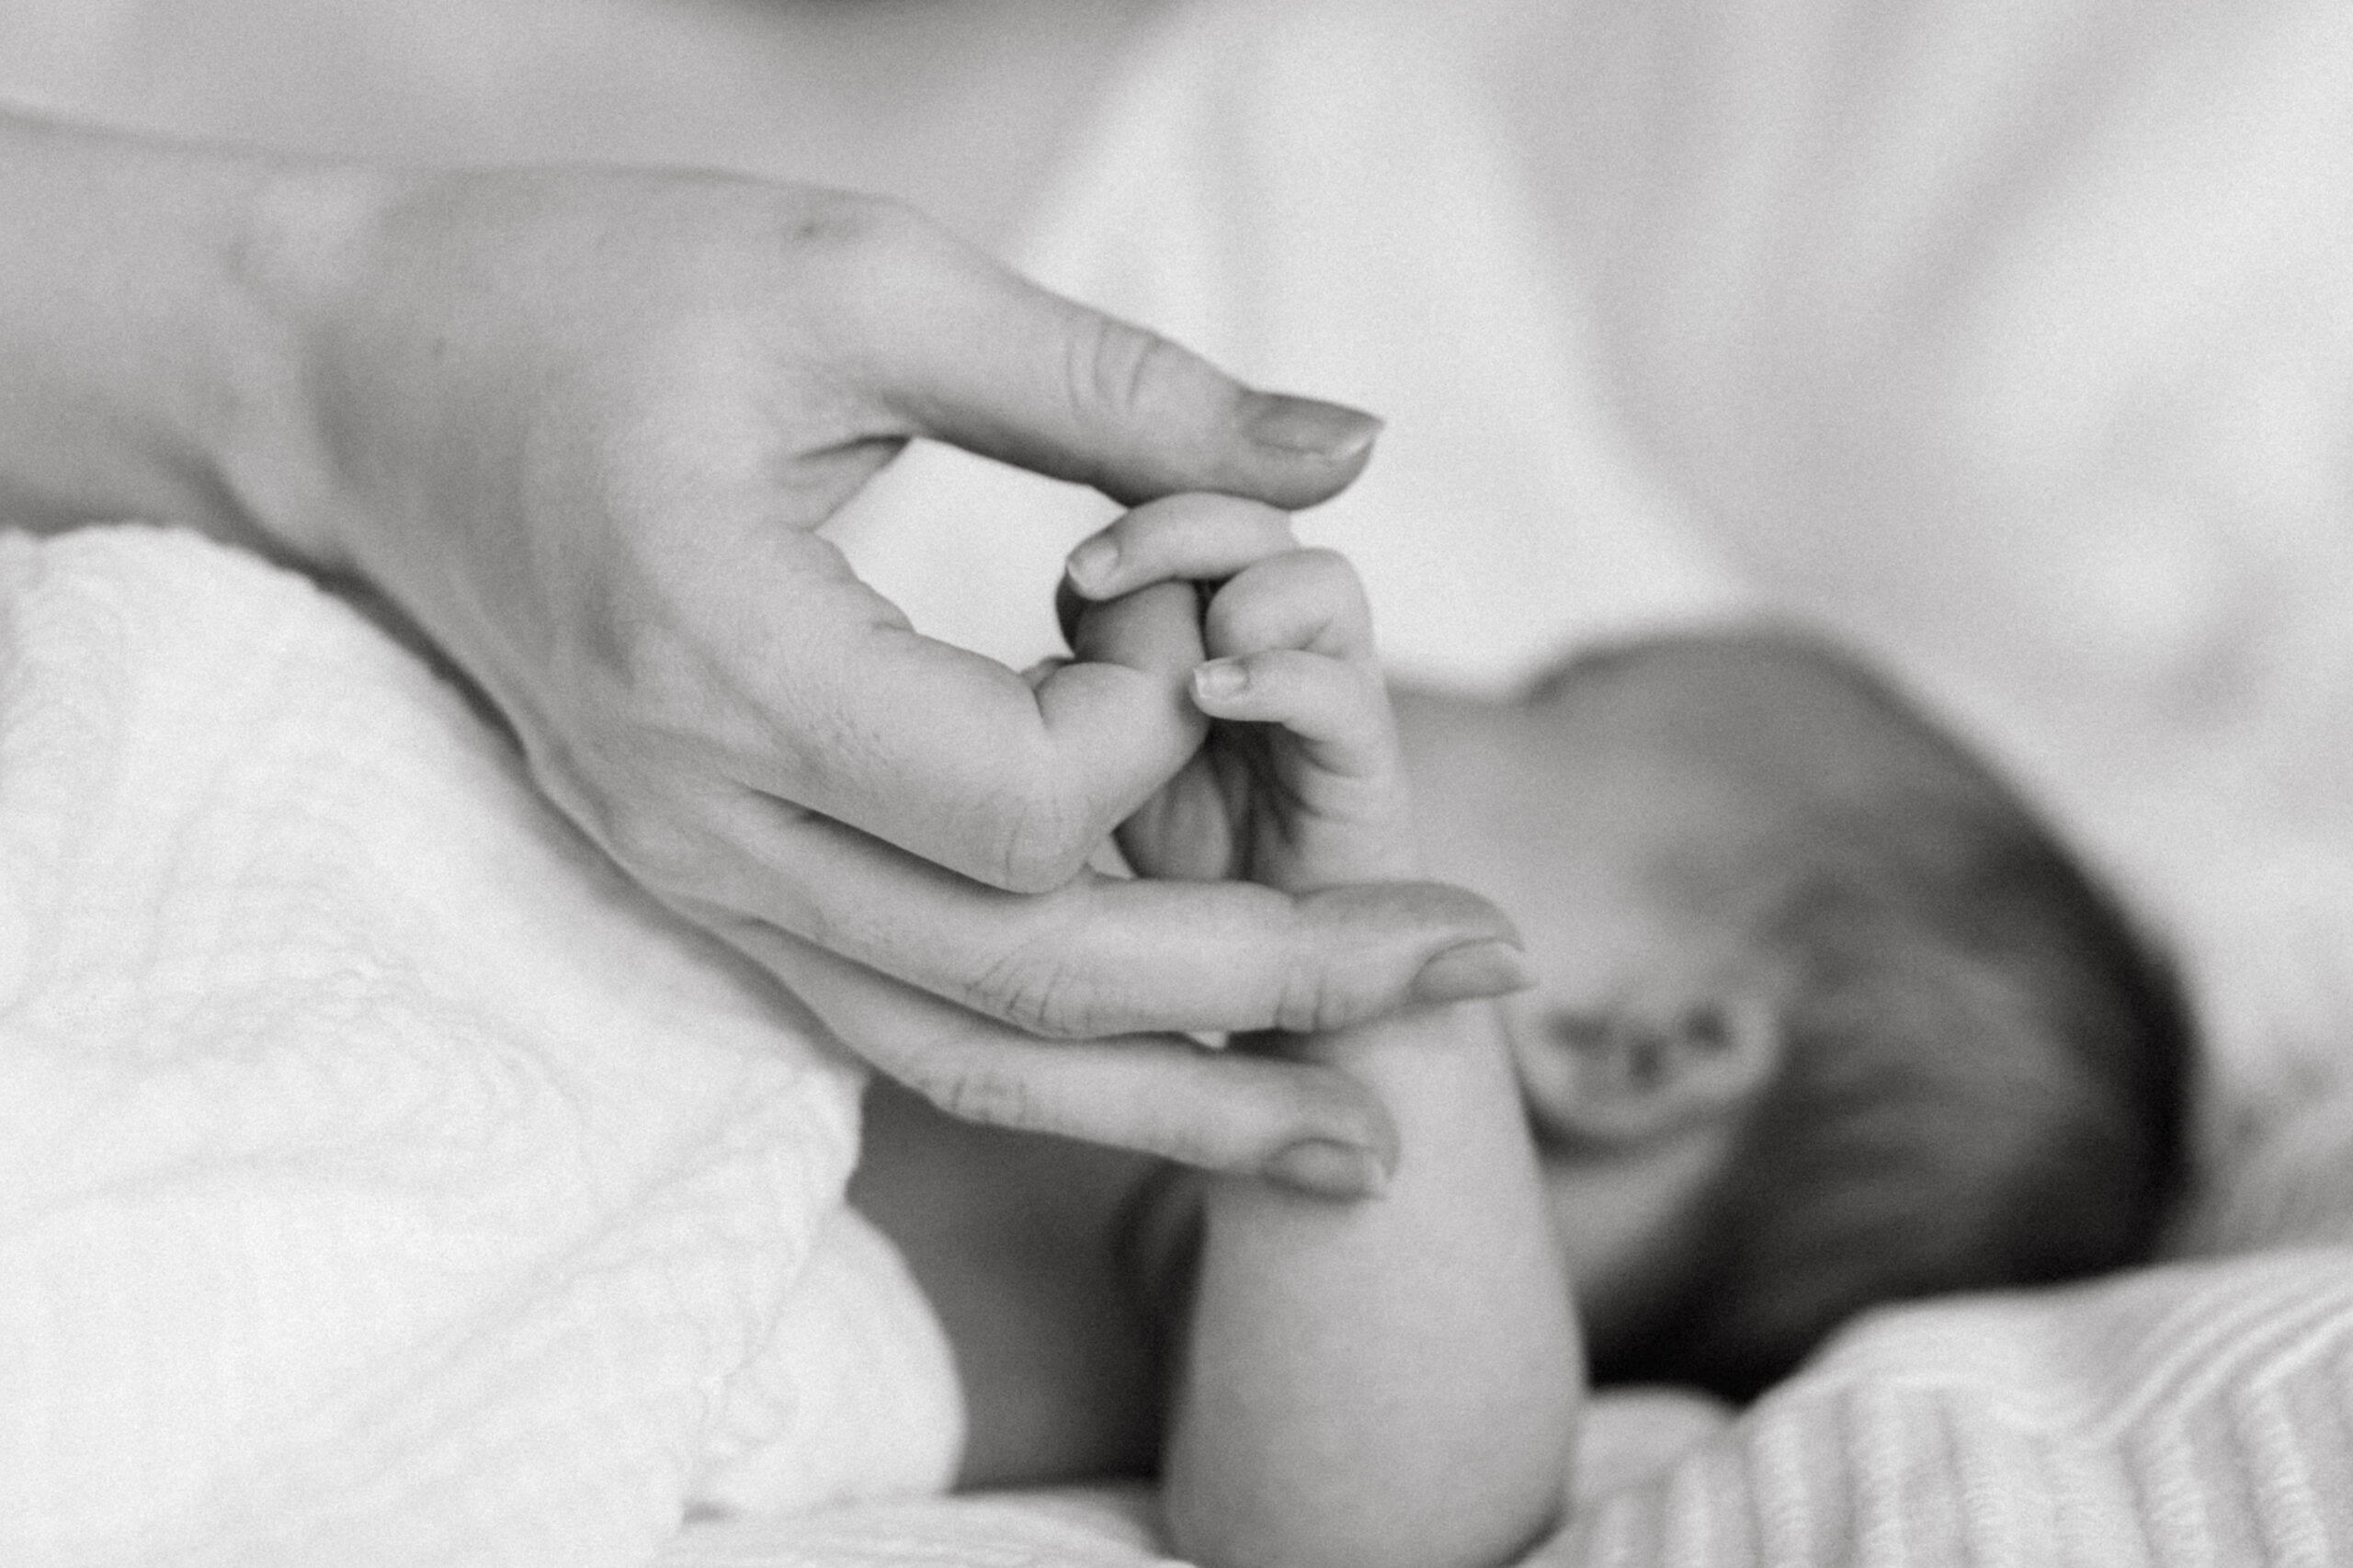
[[381, 1180]]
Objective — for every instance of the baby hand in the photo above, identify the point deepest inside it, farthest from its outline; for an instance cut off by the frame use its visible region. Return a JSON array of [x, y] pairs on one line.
[[1299, 786]]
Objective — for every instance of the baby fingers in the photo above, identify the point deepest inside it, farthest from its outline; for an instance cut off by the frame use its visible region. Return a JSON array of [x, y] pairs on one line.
[[1198, 538], [1338, 710], [1309, 599]]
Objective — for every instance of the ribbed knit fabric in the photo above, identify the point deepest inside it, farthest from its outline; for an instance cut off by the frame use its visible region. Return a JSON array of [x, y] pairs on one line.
[[2193, 1414], [2199, 1415]]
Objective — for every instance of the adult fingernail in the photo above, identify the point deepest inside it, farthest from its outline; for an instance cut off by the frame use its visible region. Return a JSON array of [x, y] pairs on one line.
[[1328, 1169], [1317, 429], [1487, 968], [1091, 564]]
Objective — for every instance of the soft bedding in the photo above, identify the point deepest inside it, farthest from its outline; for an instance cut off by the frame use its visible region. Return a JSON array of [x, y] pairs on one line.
[[2195, 1414], [2014, 341], [381, 1180]]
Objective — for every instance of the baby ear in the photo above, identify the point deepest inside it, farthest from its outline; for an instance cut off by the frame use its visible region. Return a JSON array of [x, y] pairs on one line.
[[1625, 1076]]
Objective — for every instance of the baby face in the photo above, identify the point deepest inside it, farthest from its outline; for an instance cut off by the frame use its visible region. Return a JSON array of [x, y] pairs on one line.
[[1651, 1022]]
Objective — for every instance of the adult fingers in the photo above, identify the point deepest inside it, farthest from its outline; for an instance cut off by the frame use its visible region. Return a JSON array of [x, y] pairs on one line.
[[850, 714], [1100, 955], [1157, 1094], [1009, 779], [967, 352]]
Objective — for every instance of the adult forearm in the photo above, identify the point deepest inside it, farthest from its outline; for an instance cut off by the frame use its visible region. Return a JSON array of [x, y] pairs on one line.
[[149, 334], [1391, 1383]]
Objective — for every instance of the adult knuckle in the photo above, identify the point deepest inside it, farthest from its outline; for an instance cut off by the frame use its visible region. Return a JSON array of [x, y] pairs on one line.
[[981, 1093], [1044, 842], [657, 846], [650, 843], [1037, 990], [1117, 373], [598, 802], [1306, 1002]]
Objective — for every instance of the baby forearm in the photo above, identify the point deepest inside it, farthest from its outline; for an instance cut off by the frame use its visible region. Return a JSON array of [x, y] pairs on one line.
[[1393, 1383]]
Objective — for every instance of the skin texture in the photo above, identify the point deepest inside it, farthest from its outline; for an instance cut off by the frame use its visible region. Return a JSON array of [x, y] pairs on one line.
[[1067, 1280], [1395, 1382], [580, 428]]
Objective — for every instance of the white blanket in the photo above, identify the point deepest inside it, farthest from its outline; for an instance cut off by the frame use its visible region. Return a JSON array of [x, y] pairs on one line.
[[381, 1180]]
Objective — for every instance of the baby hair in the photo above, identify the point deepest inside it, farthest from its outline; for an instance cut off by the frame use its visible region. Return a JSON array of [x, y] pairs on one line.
[[1983, 1064]]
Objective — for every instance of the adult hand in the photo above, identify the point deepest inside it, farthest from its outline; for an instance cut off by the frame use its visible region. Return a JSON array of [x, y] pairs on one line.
[[582, 427]]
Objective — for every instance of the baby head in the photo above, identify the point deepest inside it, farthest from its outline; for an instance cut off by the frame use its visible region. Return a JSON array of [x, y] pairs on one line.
[[1827, 1017]]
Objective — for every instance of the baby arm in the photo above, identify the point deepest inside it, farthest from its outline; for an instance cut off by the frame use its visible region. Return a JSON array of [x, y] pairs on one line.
[[1392, 1382]]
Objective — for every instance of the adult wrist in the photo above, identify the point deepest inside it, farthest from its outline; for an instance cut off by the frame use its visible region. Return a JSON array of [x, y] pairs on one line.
[[287, 272], [152, 302]]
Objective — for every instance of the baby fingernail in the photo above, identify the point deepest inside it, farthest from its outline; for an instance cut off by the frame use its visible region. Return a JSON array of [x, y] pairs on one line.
[[1317, 429], [1220, 677], [1475, 968], [1328, 1169], [1091, 564]]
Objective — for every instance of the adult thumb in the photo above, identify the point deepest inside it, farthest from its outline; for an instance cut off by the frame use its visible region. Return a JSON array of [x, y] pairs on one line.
[[967, 352]]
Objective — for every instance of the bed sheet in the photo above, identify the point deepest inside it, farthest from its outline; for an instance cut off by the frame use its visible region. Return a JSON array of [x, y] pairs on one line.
[[1632, 1436], [2191, 1414]]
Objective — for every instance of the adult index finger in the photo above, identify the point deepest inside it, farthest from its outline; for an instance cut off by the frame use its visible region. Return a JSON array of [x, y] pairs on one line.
[[1156, 1095], [1106, 955]]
